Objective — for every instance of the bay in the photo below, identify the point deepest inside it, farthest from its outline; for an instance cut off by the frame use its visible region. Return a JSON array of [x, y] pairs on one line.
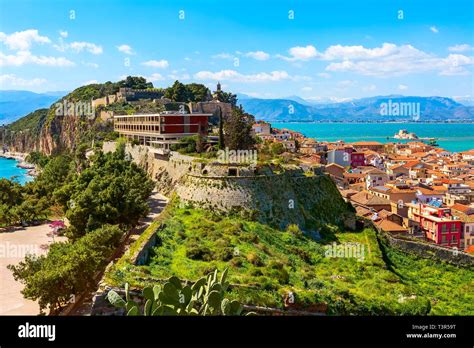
[[8, 169], [454, 137]]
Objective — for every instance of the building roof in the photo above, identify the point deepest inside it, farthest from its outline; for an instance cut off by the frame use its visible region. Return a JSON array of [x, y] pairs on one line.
[[366, 143], [368, 199], [390, 226]]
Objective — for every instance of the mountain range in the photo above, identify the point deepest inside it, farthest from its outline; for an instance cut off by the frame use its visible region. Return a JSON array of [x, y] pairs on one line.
[[294, 108], [16, 104]]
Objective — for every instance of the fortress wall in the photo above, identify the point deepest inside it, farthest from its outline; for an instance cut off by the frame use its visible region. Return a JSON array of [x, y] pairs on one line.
[[283, 199]]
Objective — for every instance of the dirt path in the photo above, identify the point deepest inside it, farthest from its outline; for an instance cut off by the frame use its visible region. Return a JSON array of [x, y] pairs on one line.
[[14, 246]]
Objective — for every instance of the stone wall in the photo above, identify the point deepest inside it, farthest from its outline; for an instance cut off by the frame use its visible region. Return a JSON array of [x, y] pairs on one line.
[[165, 171], [278, 199], [430, 251]]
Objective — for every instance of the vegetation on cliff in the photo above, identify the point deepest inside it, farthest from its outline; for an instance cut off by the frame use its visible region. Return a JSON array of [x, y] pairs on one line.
[[101, 200]]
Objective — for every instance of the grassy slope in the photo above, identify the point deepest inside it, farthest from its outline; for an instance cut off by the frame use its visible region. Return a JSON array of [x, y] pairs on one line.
[[266, 263]]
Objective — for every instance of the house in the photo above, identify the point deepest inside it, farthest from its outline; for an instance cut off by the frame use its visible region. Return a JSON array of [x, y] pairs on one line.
[[335, 171], [357, 159], [389, 222], [371, 145], [396, 193], [376, 177], [340, 157], [425, 195], [368, 200], [310, 146], [398, 170], [262, 128], [467, 232], [437, 224]]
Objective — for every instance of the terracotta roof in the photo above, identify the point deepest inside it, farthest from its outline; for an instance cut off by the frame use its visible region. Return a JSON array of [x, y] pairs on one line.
[[390, 226], [366, 143], [461, 207], [368, 199], [428, 192]]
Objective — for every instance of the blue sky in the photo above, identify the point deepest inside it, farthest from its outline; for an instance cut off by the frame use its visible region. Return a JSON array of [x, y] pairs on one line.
[[319, 50]]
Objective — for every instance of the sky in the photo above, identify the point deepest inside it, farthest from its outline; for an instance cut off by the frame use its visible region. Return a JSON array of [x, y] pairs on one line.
[[320, 50]]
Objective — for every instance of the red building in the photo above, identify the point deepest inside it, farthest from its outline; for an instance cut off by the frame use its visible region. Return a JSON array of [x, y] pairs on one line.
[[357, 159], [438, 224], [163, 129]]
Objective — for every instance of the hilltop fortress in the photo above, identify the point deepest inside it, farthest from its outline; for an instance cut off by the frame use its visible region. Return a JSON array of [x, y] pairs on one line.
[[274, 195]]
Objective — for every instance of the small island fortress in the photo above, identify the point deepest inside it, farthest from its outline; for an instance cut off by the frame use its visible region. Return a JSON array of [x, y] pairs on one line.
[[403, 134]]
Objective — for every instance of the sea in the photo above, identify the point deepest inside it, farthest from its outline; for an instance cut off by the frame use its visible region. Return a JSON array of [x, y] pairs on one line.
[[454, 137], [9, 170]]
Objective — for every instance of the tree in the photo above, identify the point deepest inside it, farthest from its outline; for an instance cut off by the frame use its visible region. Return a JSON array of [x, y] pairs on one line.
[[238, 130], [178, 92], [227, 97], [112, 190], [197, 92], [69, 268], [135, 82]]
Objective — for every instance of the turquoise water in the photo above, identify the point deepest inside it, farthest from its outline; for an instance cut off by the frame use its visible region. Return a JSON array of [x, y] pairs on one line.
[[9, 169], [453, 137]]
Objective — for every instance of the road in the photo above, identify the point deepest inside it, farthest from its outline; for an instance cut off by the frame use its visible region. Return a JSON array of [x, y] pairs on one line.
[[14, 245]]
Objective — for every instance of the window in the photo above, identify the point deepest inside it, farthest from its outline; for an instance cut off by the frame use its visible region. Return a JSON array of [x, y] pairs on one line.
[[454, 228], [444, 228]]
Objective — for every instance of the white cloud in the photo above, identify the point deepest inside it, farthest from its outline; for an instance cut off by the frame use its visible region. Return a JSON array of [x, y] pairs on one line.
[[162, 64], [11, 80], [90, 47], [90, 82], [92, 65], [155, 77], [63, 34], [232, 75], [346, 83], [22, 40], [307, 89], [223, 56], [125, 49], [176, 76], [300, 53], [258, 55], [393, 60], [460, 48], [324, 75], [360, 52], [402, 87], [25, 57], [370, 88], [434, 29]]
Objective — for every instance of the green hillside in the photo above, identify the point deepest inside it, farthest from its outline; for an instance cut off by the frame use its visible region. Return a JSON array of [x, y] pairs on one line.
[[265, 264]]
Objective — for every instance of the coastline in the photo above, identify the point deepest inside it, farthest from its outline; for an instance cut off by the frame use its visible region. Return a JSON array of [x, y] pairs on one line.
[[20, 157]]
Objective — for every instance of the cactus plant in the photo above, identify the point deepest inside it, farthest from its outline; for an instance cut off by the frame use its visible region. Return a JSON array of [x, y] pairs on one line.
[[205, 297]]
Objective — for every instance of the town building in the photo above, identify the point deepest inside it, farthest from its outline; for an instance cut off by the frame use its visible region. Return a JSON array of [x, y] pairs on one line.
[[161, 130]]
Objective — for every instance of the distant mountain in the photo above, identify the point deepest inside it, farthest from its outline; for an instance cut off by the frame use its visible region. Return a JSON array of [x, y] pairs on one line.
[[16, 104], [378, 109]]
